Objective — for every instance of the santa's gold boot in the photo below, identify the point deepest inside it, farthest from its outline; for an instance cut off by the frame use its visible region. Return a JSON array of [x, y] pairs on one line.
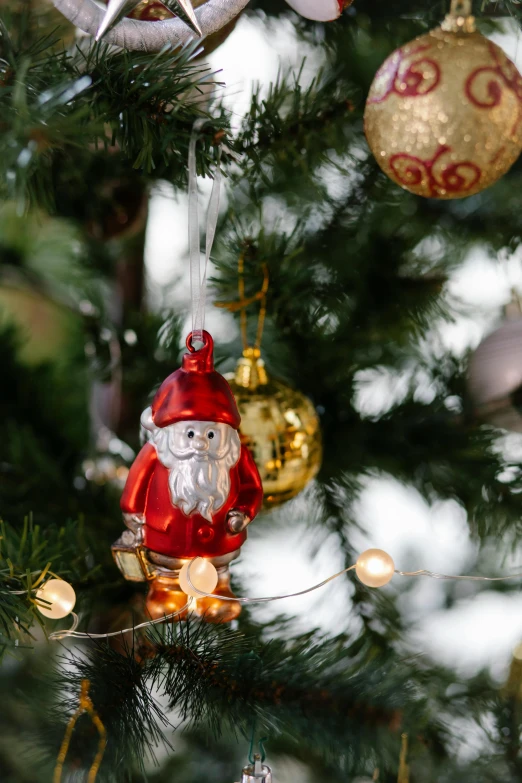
[[213, 609], [165, 597]]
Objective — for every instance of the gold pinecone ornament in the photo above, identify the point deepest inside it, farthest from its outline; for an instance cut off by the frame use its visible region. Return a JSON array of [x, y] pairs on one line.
[[279, 425], [444, 113]]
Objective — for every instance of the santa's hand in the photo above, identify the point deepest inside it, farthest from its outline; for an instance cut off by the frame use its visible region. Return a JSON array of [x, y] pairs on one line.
[[135, 523], [237, 521]]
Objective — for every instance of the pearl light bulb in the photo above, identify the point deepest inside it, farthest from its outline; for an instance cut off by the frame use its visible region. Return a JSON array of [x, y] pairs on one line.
[[60, 598], [374, 568], [203, 576]]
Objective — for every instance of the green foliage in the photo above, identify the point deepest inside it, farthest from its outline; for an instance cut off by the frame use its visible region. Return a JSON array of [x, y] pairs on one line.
[[63, 107], [355, 287], [23, 568]]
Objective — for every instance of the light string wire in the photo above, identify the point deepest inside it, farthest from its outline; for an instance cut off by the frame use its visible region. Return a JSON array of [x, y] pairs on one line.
[[422, 572], [198, 275], [435, 575], [66, 632], [62, 634]]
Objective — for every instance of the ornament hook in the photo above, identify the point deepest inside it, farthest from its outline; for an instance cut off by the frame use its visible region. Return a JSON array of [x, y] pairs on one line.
[[250, 371], [257, 772], [198, 273], [245, 301], [85, 705], [460, 8]]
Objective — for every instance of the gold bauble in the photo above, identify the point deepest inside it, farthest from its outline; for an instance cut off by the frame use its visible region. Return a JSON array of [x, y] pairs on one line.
[[280, 427], [444, 113]]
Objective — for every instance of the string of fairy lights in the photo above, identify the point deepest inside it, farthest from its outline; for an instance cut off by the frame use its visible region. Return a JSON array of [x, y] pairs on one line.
[[56, 599], [198, 578]]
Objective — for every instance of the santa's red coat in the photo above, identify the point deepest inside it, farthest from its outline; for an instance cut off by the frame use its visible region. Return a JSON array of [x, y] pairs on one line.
[[168, 530]]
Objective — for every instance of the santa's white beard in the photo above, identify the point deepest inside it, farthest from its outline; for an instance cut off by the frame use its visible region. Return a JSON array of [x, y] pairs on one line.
[[198, 484]]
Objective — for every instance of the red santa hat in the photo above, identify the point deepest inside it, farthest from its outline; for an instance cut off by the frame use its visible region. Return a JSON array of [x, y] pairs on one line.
[[195, 392]]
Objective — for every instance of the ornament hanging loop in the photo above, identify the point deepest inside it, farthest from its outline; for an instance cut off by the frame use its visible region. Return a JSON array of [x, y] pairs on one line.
[[404, 769], [244, 302], [205, 338], [460, 18], [250, 370], [198, 273], [85, 706]]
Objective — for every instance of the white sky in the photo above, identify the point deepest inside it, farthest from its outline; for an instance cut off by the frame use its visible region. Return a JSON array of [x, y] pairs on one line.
[[479, 631]]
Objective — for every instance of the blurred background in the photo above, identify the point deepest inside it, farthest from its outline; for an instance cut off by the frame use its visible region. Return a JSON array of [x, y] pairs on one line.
[[377, 301]]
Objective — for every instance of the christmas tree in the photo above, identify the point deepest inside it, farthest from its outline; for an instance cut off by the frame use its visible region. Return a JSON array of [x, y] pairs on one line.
[[365, 301]]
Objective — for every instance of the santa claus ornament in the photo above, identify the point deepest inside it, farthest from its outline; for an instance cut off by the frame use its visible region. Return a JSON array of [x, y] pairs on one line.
[[192, 490], [444, 113]]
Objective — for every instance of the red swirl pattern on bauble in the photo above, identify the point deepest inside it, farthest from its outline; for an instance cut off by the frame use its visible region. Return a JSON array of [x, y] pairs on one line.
[[444, 114], [408, 79], [439, 177], [484, 86]]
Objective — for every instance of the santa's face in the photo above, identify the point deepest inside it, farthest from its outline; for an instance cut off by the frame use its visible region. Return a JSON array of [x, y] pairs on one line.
[[199, 456], [200, 440]]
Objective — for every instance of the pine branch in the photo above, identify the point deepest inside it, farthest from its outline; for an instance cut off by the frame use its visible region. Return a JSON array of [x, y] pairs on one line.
[[305, 687], [120, 691], [61, 108]]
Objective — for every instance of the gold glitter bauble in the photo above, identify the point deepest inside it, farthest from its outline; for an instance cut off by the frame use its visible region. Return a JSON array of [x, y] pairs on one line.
[[280, 426], [444, 113]]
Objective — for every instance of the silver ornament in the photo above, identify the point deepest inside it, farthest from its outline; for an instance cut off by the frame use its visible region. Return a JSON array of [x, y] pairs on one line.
[[257, 772], [117, 9], [495, 377], [150, 36]]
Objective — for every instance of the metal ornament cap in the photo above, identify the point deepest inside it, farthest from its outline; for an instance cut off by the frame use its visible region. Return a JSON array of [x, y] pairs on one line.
[[257, 773], [250, 370], [460, 18]]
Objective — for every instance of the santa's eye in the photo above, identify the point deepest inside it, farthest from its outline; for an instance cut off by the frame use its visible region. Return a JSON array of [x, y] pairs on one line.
[[210, 434], [190, 434]]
